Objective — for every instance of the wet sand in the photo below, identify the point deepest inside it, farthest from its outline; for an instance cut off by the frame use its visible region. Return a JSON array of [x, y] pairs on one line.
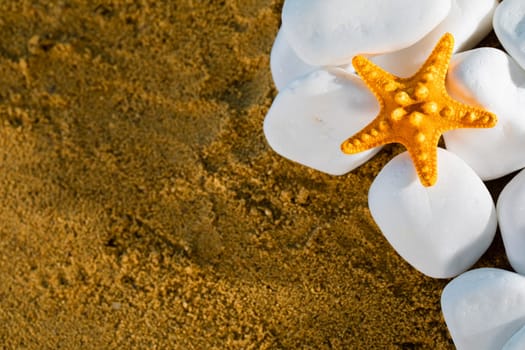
[[141, 207]]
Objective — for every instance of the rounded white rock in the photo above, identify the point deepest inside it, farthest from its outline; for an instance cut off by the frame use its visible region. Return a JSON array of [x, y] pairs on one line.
[[468, 20], [331, 32], [440, 230], [516, 342], [285, 65], [312, 116], [489, 78], [509, 26], [511, 218], [483, 308]]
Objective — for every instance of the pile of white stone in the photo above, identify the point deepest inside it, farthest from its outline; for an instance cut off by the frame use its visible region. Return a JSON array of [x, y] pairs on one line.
[[440, 230]]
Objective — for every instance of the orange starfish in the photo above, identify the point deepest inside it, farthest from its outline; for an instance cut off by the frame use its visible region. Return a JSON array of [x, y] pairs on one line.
[[415, 111]]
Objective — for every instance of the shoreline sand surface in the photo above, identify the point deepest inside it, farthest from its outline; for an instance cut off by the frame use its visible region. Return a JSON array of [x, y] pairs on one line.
[[141, 206]]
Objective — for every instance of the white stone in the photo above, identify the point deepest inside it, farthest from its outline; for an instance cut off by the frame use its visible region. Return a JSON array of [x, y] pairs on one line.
[[509, 26], [516, 342], [285, 65], [483, 308], [489, 78], [309, 120], [511, 217], [440, 230], [331, 32], [468, 20]]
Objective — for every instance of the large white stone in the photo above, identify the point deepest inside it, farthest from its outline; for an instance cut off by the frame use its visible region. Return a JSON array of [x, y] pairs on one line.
[[286, 66], [440, 230], [511, 217], [468, 20], [309, 120], [490, 78], [516, 342], [483, 308], [331, 32], [509, 26]]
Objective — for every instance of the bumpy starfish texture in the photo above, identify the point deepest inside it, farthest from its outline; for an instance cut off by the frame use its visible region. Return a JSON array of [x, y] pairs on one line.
[[415, 111]]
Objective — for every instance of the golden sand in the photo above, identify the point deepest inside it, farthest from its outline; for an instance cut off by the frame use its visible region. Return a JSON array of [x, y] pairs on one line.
[[141, 207]]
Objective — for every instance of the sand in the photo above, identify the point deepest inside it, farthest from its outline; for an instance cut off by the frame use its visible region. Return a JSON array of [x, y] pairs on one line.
[[141, 207]]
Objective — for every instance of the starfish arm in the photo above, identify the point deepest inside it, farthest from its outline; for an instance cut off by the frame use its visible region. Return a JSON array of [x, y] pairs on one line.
[[424, 157], [436, 66], [459, 115], [373, 135], [374, 76], [472, 117]]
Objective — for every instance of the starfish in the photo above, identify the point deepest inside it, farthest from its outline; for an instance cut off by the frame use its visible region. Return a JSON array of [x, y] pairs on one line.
[[415, 111]]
